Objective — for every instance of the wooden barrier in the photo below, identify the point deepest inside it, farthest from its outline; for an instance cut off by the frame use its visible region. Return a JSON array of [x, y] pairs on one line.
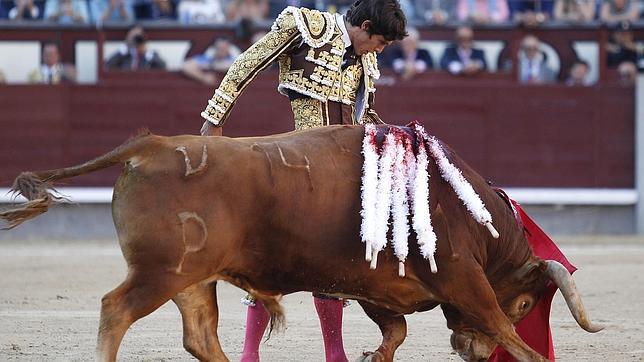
[[521, 136]]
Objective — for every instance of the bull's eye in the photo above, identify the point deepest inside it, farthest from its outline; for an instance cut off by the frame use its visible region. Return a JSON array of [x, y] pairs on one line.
[[525, 305], [521, 305]]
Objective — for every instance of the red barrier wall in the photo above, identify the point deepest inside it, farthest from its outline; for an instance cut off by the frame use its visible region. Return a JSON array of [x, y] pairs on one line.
[[522, 136]]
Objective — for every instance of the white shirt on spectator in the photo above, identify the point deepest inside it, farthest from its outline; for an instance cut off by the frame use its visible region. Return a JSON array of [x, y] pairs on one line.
[[201, 12]]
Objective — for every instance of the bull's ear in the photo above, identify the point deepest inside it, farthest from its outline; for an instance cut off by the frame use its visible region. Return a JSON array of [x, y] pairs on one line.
[[531, 269]]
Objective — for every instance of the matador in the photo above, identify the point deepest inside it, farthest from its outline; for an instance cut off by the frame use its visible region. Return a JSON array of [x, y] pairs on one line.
[[327, 69]]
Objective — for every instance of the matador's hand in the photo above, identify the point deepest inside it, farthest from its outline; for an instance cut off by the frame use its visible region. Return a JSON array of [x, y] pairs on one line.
[[209, 129]]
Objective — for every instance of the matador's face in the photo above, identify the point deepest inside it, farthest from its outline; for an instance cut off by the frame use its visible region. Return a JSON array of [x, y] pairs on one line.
[[364, 42]]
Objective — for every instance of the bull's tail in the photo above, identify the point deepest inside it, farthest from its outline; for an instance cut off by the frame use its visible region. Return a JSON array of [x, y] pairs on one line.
[[37, 187]]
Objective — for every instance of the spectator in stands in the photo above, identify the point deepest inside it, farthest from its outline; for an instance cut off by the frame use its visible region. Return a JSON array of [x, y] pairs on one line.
[[409, 8], [531, 12], [407, 59], [483, 11], [337, 6], [621, 47], [275, 7], [435, 11], [627, 74], [155, 9], [217, 58], [112, 11], [614, 11], [134, 54], [575, 11], [67, 11], [24, 10], [462, 58], [52, 70], [3, 79], [579, 72], [201, 12], [253, 10], [5, 7], [533, 68]]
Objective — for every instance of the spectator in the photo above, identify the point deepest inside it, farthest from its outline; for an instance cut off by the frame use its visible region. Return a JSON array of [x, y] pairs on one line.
[[112, 11], [613, 11], [134, 54], [52, 70], [575, 11], [483, 11], [201, 12], [533, 68], [462, 58], [24, 10], [67, 11], [621, 47], [337, 6], [408, 8], [627, 74], [435, 11], [531, 13], [579, 72], [5, 7], [254, 10], [407, 59], [155, 9], [275, 7], [3, 79], [217, 58]]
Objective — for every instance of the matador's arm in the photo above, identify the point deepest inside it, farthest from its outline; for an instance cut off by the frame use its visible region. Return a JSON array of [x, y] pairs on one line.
[[283, 35]]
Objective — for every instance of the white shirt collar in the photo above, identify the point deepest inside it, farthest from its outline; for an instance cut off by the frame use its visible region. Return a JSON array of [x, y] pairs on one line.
[[345, 34]]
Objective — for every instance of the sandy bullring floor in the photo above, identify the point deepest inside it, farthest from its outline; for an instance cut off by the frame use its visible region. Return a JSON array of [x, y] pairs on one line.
[[50, 297]]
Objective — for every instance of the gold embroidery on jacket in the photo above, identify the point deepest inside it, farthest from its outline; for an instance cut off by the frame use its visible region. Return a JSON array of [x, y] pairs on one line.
[[258, 57], [307, 113], [327, 82], [316, 27]]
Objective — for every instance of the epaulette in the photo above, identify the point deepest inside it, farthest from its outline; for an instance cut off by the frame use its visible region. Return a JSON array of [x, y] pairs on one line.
[[316, 27]]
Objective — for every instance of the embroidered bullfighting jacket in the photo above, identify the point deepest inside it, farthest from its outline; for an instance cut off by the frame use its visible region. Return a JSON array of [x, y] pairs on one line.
[[324, 80]]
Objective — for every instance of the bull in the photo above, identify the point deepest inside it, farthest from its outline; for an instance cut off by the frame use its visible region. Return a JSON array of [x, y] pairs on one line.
[[280, 214]]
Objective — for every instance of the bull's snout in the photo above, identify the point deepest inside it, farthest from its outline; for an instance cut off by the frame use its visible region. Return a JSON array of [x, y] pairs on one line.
[[470, 347]]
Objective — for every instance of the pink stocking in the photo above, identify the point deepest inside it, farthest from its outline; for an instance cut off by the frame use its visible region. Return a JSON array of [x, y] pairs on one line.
[[256, 321], [330, 314]]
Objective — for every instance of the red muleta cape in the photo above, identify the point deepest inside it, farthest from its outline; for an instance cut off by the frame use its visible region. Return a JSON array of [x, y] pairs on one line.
[[534, 329]]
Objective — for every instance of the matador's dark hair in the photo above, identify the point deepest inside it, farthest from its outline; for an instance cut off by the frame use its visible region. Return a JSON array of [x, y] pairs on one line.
[[386, 17]]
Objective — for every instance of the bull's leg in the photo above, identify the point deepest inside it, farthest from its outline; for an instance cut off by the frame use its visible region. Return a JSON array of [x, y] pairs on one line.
[[478, 306], [200, 315], [393, 329], [140, 294]]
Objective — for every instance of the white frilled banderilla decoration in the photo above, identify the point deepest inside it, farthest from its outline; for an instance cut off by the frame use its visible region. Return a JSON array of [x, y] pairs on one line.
[[395, 183]]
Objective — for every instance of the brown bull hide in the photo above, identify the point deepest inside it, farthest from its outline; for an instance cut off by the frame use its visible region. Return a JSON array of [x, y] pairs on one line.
[[280, 214]]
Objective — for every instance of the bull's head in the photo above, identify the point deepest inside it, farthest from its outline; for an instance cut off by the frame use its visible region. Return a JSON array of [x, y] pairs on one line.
[[517, 296]]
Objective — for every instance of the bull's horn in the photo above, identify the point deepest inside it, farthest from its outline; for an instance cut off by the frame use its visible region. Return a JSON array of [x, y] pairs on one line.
[[562, 278]]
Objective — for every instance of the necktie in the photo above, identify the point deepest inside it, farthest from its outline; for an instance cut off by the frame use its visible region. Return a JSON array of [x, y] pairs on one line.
[[350, 57]]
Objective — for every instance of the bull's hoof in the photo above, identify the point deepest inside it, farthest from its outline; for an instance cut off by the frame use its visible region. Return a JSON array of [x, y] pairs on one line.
[[371, 357]]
